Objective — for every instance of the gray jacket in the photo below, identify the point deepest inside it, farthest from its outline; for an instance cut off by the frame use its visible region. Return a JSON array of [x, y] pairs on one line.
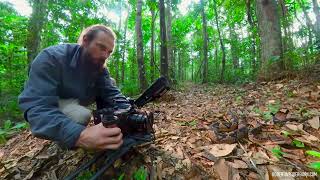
[[57, 73]]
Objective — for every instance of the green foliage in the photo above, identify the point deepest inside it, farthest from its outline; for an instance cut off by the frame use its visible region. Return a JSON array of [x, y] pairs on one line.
[[140, 174], [272, 109], [304, 112], [121, 177], [87, 174], [298, 143], [276, 151], [313, 153], [66, 19], [9, 129], [286, 133], [192, 123], [315, 166]]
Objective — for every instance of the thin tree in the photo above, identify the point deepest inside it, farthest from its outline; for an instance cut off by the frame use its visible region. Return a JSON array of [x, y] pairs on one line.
[[124, 49], [252, 36], [163, 35], [205, 44], [317, 24], [141, 66], [171, 60], [36, 23], [221, 42]]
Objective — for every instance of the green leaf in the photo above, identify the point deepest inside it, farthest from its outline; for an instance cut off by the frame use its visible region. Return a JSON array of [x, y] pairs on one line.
[[7, 125], [23, 125], [315, 166], [140, 174], [2, 132], [121, 177], [2, 139], [298, 143], [276, 151], [193, 123], [286, 133], [313, 153]]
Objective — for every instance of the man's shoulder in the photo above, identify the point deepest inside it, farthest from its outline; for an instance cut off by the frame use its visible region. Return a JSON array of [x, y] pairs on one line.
[[59, 54], [61, 50]]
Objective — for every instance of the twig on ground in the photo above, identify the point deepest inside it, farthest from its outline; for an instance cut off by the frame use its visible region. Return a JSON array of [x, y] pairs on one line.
[[251, 161]]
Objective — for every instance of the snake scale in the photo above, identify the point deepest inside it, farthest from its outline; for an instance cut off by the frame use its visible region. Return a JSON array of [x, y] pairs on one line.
[[229, 131], [235, 129]]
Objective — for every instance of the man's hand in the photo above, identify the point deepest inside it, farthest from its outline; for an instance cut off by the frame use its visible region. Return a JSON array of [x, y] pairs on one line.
[[100, 138]]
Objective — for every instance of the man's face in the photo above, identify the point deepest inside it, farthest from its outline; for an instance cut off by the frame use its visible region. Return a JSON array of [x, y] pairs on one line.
[[99, 49]]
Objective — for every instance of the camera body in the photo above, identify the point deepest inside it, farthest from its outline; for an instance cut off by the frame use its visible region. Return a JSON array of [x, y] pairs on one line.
[[130, 121]]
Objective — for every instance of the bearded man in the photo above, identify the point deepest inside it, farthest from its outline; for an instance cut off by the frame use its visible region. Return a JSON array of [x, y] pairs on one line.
[[63, 80]]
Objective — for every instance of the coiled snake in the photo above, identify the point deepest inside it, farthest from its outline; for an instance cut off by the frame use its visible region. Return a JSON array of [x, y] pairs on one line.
[[237, 128]]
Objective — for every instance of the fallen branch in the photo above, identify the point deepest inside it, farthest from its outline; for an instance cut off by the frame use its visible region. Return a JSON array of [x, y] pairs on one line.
[[251, 161]]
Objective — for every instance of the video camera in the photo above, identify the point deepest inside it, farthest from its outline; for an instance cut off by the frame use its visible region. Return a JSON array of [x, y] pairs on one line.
[[133, 120]]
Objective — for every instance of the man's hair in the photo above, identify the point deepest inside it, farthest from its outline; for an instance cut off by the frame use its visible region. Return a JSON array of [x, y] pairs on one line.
[[91, 32]]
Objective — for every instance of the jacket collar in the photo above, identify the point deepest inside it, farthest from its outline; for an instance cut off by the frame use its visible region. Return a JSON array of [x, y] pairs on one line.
[[76, 57]]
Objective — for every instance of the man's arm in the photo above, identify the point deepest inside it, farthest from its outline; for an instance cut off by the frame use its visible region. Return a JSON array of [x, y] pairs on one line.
[[39, 101]]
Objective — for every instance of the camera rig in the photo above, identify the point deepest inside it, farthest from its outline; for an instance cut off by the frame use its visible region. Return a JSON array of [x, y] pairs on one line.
[[136, 126]]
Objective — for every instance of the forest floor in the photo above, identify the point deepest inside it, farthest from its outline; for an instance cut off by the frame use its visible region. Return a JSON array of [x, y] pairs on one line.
[[184, 147]]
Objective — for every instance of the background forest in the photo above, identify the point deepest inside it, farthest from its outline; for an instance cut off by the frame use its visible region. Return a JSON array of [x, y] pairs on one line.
[[203, 41]]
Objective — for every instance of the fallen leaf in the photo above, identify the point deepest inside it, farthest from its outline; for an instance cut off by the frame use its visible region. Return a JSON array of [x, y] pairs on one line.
[[281, 116], [238, 164], [314, 122], [310, 137], [222, 169], [253, 176], [260, 157], [167, 171], [117, 163], [159, 168], [1, 153], [187, 163], [178, 153], [272, 101], [174, 137], [147, 159], [295, 127], [279, 86], [219, 150]]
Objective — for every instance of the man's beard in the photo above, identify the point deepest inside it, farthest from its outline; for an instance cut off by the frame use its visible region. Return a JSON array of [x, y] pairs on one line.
[[89, 60]]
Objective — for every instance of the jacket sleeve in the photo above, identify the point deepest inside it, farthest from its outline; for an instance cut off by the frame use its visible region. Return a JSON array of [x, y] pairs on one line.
[[109, 93], [39, 101]]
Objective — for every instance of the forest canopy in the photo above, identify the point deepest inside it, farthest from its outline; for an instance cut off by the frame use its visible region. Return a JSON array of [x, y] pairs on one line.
[[203, 41]]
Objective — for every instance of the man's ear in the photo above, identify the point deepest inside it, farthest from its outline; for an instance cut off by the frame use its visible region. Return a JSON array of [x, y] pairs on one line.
[[85, 41]]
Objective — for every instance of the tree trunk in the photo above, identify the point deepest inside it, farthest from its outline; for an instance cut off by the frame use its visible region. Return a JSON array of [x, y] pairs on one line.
[[308, 29], [141, 66], [284, 12], [270, 34], [233, 40], [205, 44], [169, 41], [117, 59], [180, 65], [317, 24], [152, 61], [124, 49], [221, 42], [163, 35], [37, 20], [309, 24], [252, 35]]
